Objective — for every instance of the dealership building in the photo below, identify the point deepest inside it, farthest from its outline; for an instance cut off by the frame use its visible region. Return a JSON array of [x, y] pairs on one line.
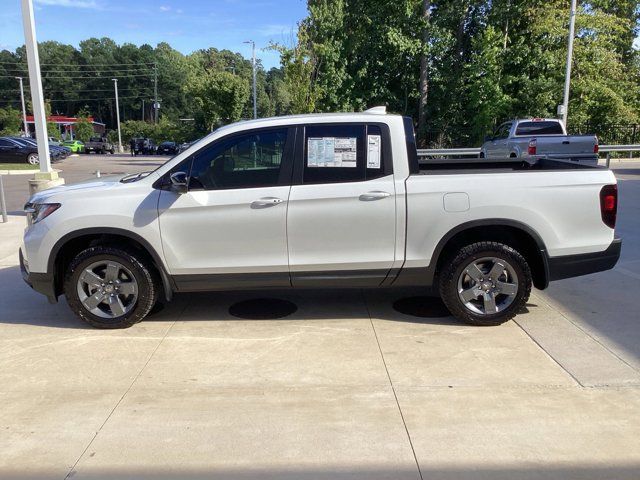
[[66, 125]]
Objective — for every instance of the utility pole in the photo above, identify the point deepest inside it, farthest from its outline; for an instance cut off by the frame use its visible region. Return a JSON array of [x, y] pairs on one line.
[[24, 108], [564, 109], [156, 103], [115, 86], [253, 64]]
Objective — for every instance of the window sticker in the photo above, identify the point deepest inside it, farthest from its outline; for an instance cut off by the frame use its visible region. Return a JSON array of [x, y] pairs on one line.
[[373, 152], [332, 152]]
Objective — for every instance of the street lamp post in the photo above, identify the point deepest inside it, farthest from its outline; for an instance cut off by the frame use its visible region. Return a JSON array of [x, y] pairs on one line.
[[47, 177], [35, 81], [24, 108], [253, 65], [567, 80], [115, 86]]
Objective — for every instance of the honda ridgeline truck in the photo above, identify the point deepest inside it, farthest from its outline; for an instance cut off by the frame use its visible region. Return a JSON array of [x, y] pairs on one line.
[[321, 201], [540, 138]]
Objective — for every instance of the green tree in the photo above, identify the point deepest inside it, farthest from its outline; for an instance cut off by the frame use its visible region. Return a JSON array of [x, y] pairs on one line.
[[220, 97], [10, 121], [83, 129]]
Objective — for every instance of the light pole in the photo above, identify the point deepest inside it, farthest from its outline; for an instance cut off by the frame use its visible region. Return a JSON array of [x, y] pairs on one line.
[[253, 65], [567, 80], [115, 86], [47, 177], [24, 108], [35, 81]]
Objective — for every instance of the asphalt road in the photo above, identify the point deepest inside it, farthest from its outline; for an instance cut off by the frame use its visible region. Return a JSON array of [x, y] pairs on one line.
[[78, 168]]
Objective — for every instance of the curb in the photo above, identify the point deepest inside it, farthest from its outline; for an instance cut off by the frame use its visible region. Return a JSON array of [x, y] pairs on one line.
[[18, 172]]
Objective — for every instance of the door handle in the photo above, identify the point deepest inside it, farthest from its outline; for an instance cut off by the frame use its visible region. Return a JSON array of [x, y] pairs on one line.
[[373, 196], [266, 202], [566, 142]]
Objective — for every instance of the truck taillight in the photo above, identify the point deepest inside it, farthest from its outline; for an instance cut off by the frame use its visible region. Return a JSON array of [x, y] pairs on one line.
[[596, 147], [609, 205], [533, 147]]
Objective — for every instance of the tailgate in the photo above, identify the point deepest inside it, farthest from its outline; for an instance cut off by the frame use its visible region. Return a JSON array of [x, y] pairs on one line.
[[567, 145]]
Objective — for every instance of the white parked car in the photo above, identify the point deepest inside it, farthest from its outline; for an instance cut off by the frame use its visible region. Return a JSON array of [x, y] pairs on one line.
[[328, 201]]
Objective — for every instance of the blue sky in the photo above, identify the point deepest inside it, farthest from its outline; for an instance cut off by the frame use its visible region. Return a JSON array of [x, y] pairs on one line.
[[186, 25]]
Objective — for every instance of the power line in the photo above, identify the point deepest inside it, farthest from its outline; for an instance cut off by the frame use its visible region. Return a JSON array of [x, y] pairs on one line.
[[81, 99], [80, 70], [87, 90], [84, 64], [99, 77]]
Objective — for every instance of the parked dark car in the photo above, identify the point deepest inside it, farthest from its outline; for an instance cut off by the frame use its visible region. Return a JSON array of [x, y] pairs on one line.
[[168, 148], [21, 150], [14, 152], [143, 146], [57, 153]]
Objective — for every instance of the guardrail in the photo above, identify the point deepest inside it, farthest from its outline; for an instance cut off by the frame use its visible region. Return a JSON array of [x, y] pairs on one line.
[[454, 152], [3, 203]]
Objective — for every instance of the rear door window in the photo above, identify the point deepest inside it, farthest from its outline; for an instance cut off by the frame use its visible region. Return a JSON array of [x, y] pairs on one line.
[[334, 154], [539, 128], [346, 153]]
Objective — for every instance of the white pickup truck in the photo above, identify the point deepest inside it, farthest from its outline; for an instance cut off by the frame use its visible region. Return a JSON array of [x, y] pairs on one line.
[[322, 201], [537, 138]]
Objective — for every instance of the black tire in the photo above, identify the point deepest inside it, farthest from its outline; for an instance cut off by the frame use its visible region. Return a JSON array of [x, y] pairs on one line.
[[145, 276], [455, 266]]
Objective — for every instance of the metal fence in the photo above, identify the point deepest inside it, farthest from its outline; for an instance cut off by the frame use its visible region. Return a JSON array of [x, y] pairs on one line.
[[623, 134]]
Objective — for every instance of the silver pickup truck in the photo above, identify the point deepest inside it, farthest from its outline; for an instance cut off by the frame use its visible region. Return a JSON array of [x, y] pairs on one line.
[[539, 138]]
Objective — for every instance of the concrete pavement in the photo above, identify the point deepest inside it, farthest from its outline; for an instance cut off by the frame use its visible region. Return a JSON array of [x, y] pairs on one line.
[[345, 387]]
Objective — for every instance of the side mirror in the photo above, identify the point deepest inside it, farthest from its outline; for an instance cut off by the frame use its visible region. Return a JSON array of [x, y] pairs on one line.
[[489, 138], [179, 182]]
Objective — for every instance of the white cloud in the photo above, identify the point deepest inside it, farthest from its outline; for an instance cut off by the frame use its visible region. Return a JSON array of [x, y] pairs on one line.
[[69, 3], [165, 8]]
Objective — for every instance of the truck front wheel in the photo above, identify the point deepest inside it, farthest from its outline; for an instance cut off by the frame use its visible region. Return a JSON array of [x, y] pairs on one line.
[[110, 287], [486, 283]]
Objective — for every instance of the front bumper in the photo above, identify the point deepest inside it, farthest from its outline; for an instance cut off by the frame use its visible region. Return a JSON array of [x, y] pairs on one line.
[[577, 265], [43, 283]]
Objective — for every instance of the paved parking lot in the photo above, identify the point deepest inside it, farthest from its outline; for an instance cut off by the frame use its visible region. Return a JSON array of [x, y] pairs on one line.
[[344, 387]]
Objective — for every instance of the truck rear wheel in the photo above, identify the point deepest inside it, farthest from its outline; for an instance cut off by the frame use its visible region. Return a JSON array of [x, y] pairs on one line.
[[486, 283], [110, 287]]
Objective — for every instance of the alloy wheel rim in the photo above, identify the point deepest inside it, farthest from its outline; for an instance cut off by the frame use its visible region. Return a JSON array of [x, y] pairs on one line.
[[33, 159], [107, 289], [488, 286]]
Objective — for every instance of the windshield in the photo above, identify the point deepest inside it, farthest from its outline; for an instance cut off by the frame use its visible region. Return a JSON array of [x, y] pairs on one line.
[[191, 144]]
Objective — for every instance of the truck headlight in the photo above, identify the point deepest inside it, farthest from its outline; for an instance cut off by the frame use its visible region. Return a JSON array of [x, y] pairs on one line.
[[39, 211]]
